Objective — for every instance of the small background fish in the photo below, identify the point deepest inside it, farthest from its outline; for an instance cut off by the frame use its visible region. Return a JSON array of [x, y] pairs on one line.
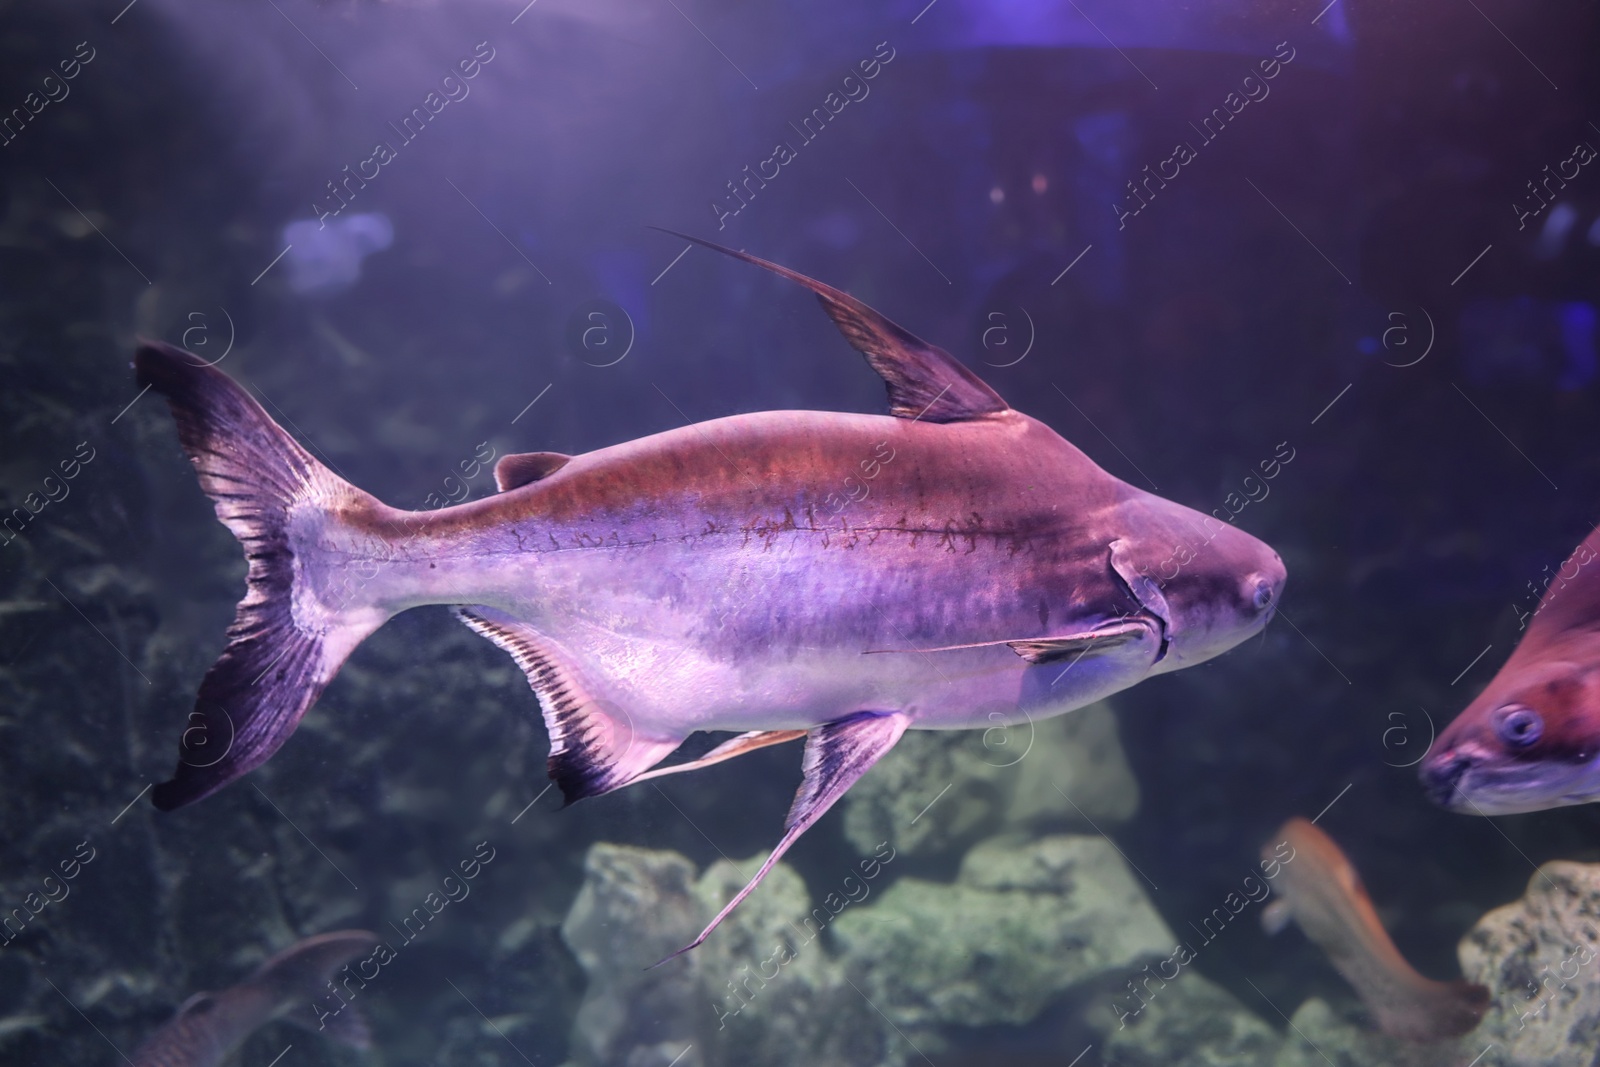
[[1321, 892], [211, 1025]]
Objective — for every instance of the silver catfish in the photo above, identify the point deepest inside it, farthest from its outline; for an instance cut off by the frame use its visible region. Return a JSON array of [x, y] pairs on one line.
[[210, 1025], [782, 574]]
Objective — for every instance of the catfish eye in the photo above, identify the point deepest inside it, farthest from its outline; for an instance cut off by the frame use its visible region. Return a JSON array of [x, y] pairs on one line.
[[1262, 595], [1519, 726]]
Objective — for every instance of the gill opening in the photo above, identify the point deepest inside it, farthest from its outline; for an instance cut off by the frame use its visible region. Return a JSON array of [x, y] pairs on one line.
[[1143, 589]]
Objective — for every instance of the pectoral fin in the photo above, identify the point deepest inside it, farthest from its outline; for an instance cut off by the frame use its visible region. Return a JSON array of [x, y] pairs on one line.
[[1038, 650], [836, 755], [1050, 649], [594, 747], [1276, 916]]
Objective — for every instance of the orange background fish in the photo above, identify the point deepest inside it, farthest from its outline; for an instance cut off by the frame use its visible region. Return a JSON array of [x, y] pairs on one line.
[[1323, 894]]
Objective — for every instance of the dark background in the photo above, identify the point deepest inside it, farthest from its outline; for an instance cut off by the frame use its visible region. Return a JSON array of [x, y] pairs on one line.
[[1198, 337]]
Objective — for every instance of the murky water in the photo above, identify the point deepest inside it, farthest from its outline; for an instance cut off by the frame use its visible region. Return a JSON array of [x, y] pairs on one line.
[[1322, 273]]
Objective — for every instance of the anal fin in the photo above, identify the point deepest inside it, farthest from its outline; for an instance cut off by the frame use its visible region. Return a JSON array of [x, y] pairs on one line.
[[594, 747], [836, 756]]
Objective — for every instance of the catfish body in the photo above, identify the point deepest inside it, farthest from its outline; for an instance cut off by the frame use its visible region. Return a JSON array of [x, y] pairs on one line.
[[838, 577], [698, 594], [211, 1025]]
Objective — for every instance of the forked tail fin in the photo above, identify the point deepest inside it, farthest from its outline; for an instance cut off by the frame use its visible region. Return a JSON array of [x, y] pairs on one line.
[[284, 645]]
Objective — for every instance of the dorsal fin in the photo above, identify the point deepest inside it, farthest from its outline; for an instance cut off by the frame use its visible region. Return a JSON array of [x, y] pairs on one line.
[[197, 1004], [301, 974], [305, 966], [924, 381], [1568, 602], [520, 468]]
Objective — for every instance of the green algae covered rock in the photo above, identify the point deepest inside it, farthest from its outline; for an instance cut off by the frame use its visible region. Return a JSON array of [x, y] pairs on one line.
[[636, 906], [755, 992], [774, 994], [938, 792], [1193, 1021], [1540, 958], [1023, 923], [1319, 1035]]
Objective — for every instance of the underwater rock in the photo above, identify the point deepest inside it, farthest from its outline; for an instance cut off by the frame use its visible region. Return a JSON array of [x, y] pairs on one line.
[[1319, 1035], [636, 906], [754, 993], [776, 995], [1052, 775], [1193, 1021], [1023, 923], [1541, 957]]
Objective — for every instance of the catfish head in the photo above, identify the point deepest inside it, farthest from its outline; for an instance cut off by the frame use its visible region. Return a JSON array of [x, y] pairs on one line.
[[1530, 741], [1211, 584]]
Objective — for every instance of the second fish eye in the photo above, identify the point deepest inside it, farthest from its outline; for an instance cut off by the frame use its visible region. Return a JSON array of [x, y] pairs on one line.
[[1262, 595], [1519, 726]]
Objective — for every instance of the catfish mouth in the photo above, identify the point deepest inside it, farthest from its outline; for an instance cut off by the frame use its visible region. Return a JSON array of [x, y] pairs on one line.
[[1474, 782]]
